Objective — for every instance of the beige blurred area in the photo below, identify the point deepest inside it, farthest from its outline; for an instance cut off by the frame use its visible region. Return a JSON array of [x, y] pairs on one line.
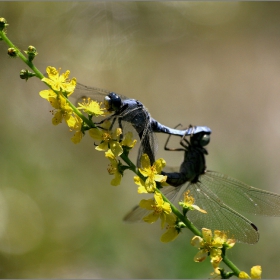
[[203, 63]]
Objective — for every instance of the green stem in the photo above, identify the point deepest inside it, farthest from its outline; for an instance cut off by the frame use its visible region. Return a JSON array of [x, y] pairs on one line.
[[21, 55], [231, 265], [131, 165]]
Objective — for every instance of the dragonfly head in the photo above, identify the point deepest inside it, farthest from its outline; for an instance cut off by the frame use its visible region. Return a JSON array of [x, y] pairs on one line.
[[200, 139], [112, 102]]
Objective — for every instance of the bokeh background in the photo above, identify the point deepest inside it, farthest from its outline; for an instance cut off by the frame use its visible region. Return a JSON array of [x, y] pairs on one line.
[[201, 63]]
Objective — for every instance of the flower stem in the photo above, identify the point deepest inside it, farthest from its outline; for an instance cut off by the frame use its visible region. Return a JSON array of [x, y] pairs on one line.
[[231, 265], [183, 218], [21, 55]]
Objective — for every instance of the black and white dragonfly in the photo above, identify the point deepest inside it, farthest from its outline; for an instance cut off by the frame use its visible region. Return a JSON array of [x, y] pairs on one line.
[[126, 110], [220, 195]]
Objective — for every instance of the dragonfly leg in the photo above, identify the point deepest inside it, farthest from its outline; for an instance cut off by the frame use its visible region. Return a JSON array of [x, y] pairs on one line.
[[108, 119], [171, 149]]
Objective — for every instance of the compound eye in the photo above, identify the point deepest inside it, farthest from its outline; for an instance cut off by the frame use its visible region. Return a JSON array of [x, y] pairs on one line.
[[108, 103], [204, 141], [113, 102]]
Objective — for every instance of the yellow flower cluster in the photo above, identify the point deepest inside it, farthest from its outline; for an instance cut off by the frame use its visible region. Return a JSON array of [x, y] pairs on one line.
[[152, 174], [212, 246], [188, 203], [62, 87]]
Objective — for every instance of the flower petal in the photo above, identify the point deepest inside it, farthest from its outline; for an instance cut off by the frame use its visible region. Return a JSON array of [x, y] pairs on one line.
[[201, 256], [145, 162], [196, 241], [103, 146], [77, 137], [95, 133], [159, 164], [169, 235], [151, 218], [117, 180], [160, 178], [116, 148], [207, 235], [147, 204], [142, 189]]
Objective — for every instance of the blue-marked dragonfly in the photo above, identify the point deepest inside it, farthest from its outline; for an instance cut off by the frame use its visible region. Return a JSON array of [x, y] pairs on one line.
[[133, 111], [220, 195]]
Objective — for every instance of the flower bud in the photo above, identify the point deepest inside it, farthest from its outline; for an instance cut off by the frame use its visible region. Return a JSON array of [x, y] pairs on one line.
[[3, 24], [12, 52], [31, 52], [25, 74]]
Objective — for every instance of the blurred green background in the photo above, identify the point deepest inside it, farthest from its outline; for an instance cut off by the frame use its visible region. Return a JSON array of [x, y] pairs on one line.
[[201, 63]]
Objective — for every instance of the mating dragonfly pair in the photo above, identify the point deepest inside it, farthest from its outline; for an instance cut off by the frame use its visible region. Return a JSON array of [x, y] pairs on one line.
[[218, 194]]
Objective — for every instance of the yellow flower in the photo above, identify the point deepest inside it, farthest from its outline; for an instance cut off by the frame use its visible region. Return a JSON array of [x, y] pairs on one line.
[[114, 168], [188, 203], [152, 172], [138, 181], [62, 111], [128, 140], [172, 229], [60, 82], [159, 207], [47, 94], [256, 272], [92, 107], [78, 135], [211, 245], [108, 140]]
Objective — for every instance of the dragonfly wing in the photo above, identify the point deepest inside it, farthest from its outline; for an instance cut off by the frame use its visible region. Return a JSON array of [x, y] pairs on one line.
[[136, 215], [139, 117], [98, 94], [219, 215], [82, 91], [148, 145], [241, 196]]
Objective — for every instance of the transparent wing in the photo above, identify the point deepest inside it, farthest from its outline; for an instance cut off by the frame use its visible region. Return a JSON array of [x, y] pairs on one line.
[[219, 215], [148, 145], [136, 215], [94, 93], [241, 196]]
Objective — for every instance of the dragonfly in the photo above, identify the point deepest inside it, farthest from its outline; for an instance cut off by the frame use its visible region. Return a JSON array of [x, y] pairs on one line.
[[222, 196], [126, 110]]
